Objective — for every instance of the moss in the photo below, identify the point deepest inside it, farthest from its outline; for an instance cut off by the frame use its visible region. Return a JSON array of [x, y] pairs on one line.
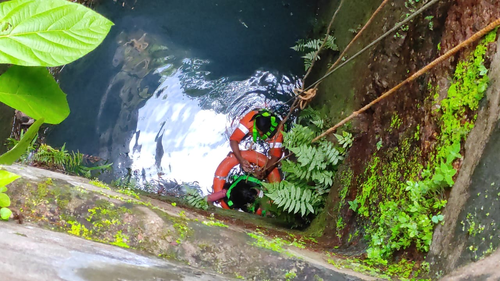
[[183, 231], [96, 182], [120, 240], [214, 223]]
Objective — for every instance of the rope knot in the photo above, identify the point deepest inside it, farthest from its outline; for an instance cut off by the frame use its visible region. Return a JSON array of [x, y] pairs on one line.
[[305, 96]]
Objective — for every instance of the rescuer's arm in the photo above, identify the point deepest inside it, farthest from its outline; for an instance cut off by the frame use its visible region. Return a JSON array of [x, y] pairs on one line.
[[245, 165]]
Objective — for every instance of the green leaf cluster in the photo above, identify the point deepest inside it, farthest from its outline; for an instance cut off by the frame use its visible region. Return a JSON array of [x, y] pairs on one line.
[[310, 47], [194, 198], [309, 173], [293, 198], [5, 179], [407, 214], [55, 159], [40, 34]]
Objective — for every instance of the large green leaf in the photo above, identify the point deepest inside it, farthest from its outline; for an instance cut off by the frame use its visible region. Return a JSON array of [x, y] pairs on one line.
[[34, 91], [12, 155], [6, 178], [5, 214], [4, 200], [48, 33]]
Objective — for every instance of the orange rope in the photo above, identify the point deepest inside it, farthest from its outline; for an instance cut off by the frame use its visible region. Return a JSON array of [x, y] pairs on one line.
[[419, 73]]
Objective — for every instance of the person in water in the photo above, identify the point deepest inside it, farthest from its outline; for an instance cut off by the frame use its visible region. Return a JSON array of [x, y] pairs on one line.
[[261, 124], [242, 193]]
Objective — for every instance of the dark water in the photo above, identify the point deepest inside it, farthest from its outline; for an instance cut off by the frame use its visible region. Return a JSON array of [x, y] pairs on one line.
[[160, 97]]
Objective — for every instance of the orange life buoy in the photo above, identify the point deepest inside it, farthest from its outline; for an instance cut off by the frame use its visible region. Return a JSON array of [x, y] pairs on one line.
[[227, 164]]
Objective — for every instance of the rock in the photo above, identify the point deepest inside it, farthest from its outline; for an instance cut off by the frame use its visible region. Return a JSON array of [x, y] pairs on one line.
[[71, 205]]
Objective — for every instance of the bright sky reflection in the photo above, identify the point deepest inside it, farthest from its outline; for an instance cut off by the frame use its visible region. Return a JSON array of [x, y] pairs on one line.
[[193, 140]]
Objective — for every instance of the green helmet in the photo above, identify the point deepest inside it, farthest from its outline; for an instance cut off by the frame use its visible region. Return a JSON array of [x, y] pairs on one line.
[[272, 129]]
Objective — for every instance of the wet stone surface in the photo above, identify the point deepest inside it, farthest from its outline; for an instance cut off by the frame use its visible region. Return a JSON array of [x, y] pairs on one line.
[[479, 220], [154, 228]]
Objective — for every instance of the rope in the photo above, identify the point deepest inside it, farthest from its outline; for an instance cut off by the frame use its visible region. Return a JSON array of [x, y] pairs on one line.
[[426, 6], [323, 44], [358, 35], [419, 73], [305, 97]]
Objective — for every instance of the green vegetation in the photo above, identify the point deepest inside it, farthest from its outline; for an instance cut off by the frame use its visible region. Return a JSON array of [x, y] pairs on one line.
[[311, 46], [404, 213], [195, 199], [402, 269], [276, 244], [214, 223], [5, 179], [98, 183], [40, 33], [74, 163], [309, 174], [290, 275]]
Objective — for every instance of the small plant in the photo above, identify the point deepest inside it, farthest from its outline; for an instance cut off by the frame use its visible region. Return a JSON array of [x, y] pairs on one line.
[[194, 198], [431, 23], [353, 205], [345, 140], [290, 275], [310, 47], [61, 159], [5, 179]]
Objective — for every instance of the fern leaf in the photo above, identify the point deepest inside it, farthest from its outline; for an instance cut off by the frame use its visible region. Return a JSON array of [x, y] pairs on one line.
[[278, 201], [310, 56], [307, 195], [297, 207], [302, 208], [310, 207], [297, 195]]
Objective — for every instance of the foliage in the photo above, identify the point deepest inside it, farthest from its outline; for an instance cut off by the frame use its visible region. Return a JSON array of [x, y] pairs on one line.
[[309, 174], [310, 47], [42, 33], [5, 179], [194, 198], [345, 140], [293, 199], [214, 223], [55, 159], [22, 146], [403, 214], [19, 87], [48, 33], [98, 183]]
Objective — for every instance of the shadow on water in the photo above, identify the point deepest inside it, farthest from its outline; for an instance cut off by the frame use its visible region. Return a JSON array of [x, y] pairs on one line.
[[160, 97]]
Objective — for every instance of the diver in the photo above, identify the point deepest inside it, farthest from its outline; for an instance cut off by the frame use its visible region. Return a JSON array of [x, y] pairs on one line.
[[243, 193], [261, 124]]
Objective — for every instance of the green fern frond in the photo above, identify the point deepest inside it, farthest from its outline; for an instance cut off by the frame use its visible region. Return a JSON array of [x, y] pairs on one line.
[[330, 43], [293, 199], [195, 199]]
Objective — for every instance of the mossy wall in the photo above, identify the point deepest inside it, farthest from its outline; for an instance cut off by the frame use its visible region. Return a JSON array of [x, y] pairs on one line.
[[390, 192], [95, 212]]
